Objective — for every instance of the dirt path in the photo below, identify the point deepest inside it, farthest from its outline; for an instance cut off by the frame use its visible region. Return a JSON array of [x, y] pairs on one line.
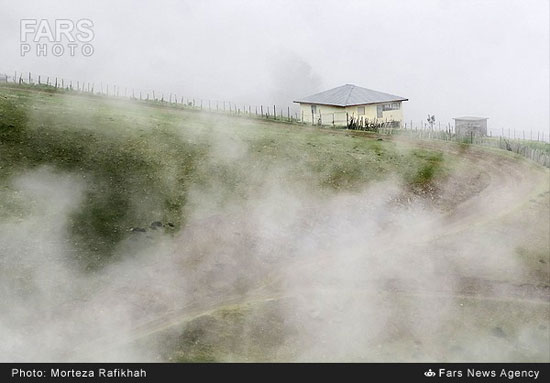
[[513, 182], [471, 288]]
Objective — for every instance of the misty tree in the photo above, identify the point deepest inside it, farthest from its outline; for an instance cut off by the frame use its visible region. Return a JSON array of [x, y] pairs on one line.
[[431, 121]]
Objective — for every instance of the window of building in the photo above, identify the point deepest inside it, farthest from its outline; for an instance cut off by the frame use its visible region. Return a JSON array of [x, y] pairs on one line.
[[360, 110], [313, 109], [379, 111], [392, 106]]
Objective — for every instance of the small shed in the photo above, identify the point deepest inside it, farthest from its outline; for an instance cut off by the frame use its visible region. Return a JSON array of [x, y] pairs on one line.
[[468, 125]]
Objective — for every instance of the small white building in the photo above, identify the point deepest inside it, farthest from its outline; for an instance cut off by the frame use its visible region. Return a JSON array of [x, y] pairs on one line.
[[339, 106], [468, 125]]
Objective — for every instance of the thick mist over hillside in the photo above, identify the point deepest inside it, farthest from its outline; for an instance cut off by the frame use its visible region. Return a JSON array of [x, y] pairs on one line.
[[136, 229], [234, 240]]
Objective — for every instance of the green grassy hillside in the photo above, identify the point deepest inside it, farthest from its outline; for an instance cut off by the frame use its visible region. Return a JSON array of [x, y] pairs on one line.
[[130, 152], [330, 277]]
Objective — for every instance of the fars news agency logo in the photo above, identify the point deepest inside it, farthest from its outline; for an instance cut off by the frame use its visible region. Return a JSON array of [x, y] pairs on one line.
[[60, 37], [429, 373]]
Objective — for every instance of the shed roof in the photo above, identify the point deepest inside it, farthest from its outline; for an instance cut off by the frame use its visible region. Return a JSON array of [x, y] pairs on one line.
[[348, 95], [470, 118]]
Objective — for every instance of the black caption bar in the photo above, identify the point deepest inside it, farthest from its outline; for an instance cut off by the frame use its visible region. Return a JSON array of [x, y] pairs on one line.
[[377, 372]]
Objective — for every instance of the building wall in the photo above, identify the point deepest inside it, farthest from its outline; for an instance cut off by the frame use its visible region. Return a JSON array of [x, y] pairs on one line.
[[467, 127], [326, 114]]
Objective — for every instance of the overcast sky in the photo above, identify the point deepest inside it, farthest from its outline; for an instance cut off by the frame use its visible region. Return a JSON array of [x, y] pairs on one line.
[[449, 57]]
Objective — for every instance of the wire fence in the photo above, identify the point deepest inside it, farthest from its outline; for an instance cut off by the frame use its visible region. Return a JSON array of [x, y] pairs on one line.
[[360, 122], [537, 151], [532, 145], [58, 84]]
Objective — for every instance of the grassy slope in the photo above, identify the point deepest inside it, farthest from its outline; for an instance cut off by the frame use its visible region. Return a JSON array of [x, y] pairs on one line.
[[140, 161], [474, 331]]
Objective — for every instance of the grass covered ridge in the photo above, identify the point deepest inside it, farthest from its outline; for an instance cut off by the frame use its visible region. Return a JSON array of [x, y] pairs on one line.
[[139, 162]]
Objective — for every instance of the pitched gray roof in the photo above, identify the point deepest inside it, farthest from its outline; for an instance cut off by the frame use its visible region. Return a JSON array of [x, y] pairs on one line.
[[470, 118], [348, 95]]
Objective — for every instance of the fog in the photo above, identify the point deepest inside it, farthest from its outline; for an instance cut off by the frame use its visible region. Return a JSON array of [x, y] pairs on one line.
[[376, 274], [363, 276], [450, 58]]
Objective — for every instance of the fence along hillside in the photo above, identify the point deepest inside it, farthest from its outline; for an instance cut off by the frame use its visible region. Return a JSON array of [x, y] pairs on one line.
[[537, 150], [58, 84]]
